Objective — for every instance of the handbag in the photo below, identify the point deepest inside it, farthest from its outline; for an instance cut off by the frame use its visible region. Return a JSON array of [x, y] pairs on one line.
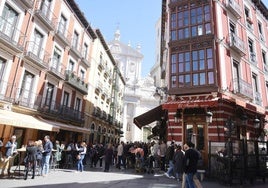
[[78, 157]]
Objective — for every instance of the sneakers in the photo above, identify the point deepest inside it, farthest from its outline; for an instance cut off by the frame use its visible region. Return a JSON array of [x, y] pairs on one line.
[[166, 174]]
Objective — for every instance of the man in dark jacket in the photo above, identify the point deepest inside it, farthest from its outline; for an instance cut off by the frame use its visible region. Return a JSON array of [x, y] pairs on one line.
[[46, 155], [190, 164]]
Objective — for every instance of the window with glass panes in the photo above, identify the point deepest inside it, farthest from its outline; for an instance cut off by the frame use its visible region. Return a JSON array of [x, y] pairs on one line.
[[190, 20], [192, 68]]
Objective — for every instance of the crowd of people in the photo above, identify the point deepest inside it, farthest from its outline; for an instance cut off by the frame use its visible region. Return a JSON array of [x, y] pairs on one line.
[[175, 161]]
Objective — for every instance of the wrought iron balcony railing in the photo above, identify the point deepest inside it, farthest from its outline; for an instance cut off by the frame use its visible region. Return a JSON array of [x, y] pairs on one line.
[[36, 54], [237, 44], [11, 36], [46, 15], [76, 82], [243, 88], [64, 35], [234, 7]]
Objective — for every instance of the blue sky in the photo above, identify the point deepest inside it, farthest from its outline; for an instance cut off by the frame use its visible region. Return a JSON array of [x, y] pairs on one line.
[[136, 20]]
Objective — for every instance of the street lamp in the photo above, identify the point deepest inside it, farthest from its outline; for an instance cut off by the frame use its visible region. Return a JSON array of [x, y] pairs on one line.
[[256, 124], [209, 117]]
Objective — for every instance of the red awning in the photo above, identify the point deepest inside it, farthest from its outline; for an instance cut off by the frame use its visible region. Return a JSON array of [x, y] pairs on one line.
[[191, 102], [150, 116]]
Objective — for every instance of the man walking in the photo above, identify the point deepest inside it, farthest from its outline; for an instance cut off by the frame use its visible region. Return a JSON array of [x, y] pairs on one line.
[[190, 164], [46, 155]]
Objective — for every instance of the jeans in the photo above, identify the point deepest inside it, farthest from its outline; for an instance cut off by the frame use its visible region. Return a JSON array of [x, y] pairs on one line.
[[189, 180], [80, 166], [170, 171], [45, 164]]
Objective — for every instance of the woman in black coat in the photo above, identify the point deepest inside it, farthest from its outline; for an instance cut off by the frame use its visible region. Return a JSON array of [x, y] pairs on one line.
[[178, 163], [30, 159], [108, 156]]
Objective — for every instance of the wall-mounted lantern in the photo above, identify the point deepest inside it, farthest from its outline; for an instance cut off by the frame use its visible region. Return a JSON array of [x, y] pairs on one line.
[[256, 123], [209, 115]]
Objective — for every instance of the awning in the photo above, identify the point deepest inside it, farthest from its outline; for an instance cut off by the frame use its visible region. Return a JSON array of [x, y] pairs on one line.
[[67, 127], [25, 121], [191, 102], [150, 116]]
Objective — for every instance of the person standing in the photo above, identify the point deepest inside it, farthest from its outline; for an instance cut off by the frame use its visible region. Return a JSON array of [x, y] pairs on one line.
[[47, 149], [120, 150], [169, 156], [30, 158], [11, 152], [58, 153], [108, 157], [178, 163], [190, 164], [82, 150], [11, 147], [162, 154]]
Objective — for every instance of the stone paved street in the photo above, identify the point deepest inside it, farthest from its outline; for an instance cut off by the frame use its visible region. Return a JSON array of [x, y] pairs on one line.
[[96, 178]]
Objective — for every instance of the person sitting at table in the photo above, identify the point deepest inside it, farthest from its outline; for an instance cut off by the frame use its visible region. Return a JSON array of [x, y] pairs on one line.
[[30, 158]]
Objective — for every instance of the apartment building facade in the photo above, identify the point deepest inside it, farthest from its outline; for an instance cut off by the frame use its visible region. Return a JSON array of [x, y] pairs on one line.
[[216, 73], [45, 48], [104, 106]]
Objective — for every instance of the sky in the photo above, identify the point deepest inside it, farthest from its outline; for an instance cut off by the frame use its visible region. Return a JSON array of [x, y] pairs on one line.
[[135, 19]]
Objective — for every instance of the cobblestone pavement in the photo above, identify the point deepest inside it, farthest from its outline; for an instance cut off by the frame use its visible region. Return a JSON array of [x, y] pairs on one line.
[[96, 178]]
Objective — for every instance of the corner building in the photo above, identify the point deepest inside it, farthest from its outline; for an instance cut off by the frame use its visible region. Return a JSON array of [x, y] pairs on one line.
[[216, 70], [45, 48]]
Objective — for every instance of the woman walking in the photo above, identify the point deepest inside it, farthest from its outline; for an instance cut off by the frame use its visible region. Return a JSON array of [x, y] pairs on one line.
[[82, 150]]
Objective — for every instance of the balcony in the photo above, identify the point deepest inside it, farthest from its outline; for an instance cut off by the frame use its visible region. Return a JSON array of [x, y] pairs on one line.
[[57, 69], [46, 15], [104, 116], [26, 3], [257, 98], [234, 7], [85, 58], [54, 109], [237, 44], [37, 55], [76, 49], [243, 88], [11, 39], [63, 34], [97, 112], [76, 82]]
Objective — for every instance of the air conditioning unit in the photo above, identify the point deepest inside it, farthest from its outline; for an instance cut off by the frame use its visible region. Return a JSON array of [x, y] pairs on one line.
[[7, 107]]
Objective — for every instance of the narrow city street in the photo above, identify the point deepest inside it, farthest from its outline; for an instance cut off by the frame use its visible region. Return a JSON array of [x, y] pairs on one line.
[[96, 178]]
